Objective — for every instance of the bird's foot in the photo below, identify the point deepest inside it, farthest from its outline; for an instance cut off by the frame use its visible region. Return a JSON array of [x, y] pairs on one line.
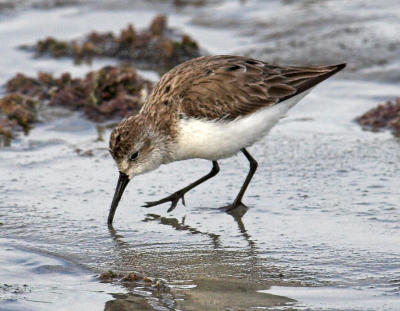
[[235, 208], [173, 198]]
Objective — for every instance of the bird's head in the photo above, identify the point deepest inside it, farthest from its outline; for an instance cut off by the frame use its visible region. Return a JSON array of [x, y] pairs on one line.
[[136, 149]]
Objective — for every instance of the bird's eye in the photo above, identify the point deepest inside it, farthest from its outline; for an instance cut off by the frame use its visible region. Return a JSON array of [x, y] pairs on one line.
[[134, 156]]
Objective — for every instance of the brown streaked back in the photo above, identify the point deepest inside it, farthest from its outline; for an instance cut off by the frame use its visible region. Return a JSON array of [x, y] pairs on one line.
[[226, 87]]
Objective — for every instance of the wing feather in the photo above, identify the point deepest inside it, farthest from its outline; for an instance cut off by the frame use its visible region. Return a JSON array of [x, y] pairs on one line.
[[226, 87]]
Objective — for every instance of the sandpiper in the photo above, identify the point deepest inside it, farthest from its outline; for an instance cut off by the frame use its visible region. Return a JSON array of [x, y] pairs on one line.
[[210, 108]]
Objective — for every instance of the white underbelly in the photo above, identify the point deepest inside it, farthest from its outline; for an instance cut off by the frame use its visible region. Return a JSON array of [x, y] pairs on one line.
[[213, 140]]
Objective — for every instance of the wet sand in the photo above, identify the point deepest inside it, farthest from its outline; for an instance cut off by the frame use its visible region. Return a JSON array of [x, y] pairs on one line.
[[323, 216]]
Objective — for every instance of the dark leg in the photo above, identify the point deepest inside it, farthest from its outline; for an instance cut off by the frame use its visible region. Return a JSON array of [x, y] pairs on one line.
[[174, 198], [253, 168]]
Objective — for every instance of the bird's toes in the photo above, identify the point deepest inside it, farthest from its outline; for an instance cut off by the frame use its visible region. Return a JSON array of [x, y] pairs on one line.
[[150, 204], [173, 205]]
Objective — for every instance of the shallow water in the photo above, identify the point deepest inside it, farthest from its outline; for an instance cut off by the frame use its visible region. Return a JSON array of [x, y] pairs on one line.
[[323, 219], [30, 280]]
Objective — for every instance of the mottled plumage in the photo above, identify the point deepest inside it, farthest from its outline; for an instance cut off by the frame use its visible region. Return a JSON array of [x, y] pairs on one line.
[[230, 86], [201, 107]]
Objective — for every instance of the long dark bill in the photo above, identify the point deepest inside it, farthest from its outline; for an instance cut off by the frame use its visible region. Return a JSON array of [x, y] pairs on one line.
[[123, 180]]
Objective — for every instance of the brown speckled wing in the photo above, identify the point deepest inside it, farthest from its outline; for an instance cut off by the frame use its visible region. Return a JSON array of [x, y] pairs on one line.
[[227, 87]]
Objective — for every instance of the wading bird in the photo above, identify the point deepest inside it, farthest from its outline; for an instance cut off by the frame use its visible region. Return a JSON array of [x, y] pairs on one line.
[[209, 108]]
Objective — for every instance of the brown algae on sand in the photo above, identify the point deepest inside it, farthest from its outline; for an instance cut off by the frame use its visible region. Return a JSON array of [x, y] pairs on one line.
[[111, 92], [17, 113], [157, 46], [134, 277], [7, 130], [384, 116], [103, 94], [20, 108], [128, 277]]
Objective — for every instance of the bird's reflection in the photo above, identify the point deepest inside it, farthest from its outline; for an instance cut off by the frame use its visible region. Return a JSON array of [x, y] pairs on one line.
[[181, 226], [237, 215], [117, 238], [239, 261]]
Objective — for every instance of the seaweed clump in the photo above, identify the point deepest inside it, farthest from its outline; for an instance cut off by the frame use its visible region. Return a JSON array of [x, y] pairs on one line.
[[7, 129], [156, 46], [111, 92], [384, 116], [37, 88], [17, 113], [109, 276], [104, 94]]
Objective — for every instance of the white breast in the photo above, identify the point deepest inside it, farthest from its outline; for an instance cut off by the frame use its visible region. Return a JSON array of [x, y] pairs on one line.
[[213, 140]]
